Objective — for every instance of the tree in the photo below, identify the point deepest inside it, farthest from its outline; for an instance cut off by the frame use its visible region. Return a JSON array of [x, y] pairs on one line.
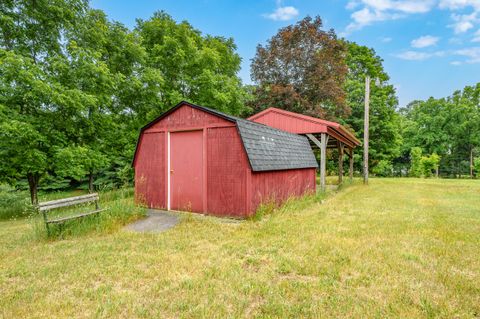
[[430, 164], [24, 151], [182, 64], [384, 168], [466, 109], [77, 161], [385, 137], [449, 127], [476, 166], [25, 140], [416, 162], [31, 37], [302, 69]]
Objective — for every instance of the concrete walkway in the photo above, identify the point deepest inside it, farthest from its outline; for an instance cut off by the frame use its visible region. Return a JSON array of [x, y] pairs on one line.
[[156, 221]]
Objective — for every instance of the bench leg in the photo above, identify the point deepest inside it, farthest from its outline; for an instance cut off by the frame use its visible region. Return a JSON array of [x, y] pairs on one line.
[[46, 223]]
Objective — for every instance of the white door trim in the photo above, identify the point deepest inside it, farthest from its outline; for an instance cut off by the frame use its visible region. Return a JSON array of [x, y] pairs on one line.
[[168, 171]]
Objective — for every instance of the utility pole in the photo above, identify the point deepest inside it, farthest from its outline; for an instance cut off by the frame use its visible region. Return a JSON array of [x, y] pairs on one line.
[[365, 130]]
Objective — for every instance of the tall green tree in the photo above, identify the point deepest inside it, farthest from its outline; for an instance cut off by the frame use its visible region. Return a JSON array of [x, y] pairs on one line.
[[449, 127], [45, 99], [26, 140], [385, 137], [183, 64]]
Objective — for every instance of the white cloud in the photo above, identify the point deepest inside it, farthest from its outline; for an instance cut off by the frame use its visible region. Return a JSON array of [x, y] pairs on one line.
[[386, 39], [406, 6], [384, 10], [473, 54], [463, 22], [424, 41], [476, 36], [367, 16], [283, 13], [413, 55], [418, 56], [459, 4], [456, 63], [352, 5]]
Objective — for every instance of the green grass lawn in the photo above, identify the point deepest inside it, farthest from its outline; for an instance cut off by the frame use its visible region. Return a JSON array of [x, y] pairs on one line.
[[397, 248]]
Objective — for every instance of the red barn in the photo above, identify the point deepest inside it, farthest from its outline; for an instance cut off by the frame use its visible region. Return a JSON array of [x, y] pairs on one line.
[[193, 158]]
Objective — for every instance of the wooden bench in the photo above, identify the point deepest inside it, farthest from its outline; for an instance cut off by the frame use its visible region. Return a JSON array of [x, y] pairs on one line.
[[46, 207]]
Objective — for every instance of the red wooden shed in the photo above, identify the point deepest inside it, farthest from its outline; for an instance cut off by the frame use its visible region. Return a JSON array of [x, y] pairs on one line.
[[194, 158]]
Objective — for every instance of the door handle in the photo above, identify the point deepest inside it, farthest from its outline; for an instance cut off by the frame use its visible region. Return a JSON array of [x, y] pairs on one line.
[[171, 171]]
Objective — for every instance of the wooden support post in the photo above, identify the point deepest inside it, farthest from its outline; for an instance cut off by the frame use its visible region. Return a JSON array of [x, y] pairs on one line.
[[323, 162], [340, 162], [350, 172], [322, 144]]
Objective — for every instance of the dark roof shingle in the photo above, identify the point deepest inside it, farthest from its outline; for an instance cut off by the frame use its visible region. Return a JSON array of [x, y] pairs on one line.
[[270, 149]]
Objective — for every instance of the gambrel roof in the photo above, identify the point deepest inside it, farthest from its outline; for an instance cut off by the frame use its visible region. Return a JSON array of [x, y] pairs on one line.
[[267, 148]]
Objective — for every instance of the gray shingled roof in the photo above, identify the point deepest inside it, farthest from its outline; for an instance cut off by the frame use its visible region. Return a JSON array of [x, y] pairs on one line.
[[270, 149]]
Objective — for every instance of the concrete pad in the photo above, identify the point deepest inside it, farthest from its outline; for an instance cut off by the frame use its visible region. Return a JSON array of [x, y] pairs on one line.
[[156, 221]]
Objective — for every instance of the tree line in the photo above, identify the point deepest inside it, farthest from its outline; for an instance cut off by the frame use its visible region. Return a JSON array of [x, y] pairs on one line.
[[306, 69], [75, 87]]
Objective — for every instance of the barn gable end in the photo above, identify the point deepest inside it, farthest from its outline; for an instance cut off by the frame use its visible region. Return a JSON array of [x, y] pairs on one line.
[[186, 117]]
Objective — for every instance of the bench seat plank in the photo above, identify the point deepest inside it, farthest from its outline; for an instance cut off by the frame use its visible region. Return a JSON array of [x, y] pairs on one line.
[[45, 206], [63, 219]]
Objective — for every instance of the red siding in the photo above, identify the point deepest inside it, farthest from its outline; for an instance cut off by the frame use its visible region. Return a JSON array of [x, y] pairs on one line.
[[303, 124], [230, 188], [290, 124], [226, 171], [150, 171], [278, 186], [187, 117]]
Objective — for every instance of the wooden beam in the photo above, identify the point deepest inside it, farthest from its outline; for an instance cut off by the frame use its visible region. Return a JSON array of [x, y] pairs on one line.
[[46, 206], [315, 140], [340, 162]]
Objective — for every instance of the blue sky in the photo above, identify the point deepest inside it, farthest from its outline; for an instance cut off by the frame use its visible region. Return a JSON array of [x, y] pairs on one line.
[[429, 47]]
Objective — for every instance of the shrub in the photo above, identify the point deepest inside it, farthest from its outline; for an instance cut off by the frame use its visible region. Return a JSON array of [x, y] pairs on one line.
[[476, 166], [13, 203], [430, 164], [416, 162], [384, 168]]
